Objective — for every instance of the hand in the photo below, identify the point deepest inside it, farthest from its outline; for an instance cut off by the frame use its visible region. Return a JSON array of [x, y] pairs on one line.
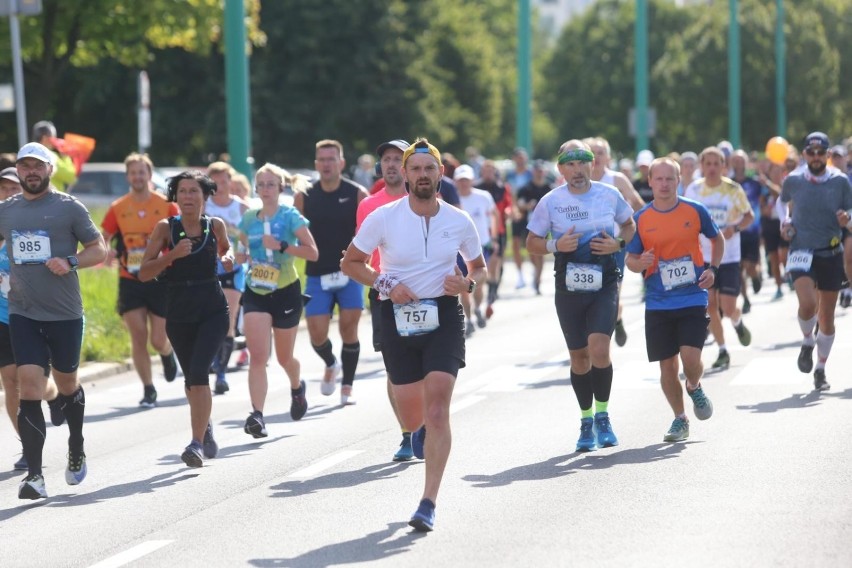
[[647, 259], [110, 258], [227, 262], [568, 242], [241, 257], [728, 232], [707, 278], [401, 294], [843, 218], [58, 266], [270, 242], [456, 283], [604, 244], [786, 227], [182, 249]]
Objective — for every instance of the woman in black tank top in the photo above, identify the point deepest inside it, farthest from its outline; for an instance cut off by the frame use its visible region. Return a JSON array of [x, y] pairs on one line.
[[197, 312]]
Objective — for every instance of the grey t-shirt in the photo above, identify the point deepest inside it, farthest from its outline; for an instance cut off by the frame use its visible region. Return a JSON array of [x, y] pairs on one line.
[[29, 226], [815, 207]]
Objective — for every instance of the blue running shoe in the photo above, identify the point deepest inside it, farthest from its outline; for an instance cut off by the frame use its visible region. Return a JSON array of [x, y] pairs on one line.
[[603, 431], [21, 464], [191, 455], [423, 519], [211, 448], [586, 443], [76, 471], [418, 441], [405, 452], [701, 405], [678, 432]]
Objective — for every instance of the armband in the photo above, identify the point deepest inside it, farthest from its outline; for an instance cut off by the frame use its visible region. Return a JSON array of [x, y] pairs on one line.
[[550, 245], [384, 284]]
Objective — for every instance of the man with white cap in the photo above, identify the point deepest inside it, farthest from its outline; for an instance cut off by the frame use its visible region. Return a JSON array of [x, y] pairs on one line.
[[64, 171], [640, 182], [45, 228]]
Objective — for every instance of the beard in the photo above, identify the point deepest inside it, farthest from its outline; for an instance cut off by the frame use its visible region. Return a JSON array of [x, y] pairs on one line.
[[35, 190], [817, 168], [423, 192]]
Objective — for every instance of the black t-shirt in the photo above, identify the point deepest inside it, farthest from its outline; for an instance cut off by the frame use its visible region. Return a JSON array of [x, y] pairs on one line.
[[530, 192], [332, 223], [643, 188]]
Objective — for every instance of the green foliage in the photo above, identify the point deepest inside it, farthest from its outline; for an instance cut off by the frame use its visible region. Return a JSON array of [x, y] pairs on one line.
[[105, 337]]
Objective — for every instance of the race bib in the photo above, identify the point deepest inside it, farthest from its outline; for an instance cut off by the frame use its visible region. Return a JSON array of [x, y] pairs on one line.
[[31, 247], [5, 284], [134, 260], [333, 281], [416, 318], [799, 260], [677, 273], [581, 277], [265, 275], [719, 216]]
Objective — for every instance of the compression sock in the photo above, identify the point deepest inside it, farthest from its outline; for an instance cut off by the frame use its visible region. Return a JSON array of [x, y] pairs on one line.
[[74, 407], [325, 352], [349, 354], [31, 428], [584, 391], [602, 385]]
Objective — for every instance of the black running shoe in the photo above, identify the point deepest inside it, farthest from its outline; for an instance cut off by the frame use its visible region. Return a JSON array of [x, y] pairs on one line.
[[255, 425], [722, 362], [620, 333], [820, 383], [806, 358], [57, 417], [169, 366], [299, 404], [149, 400], [191, 455], [32, 487], [221, 386], [209, 447]]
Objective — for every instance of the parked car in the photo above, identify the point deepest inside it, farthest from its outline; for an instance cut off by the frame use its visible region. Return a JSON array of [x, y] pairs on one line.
[[99, 184]]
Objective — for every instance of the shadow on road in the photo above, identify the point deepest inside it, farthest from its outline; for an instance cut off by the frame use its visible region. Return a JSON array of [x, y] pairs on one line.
[[565, 465], [793, 401], [119, 412], [372, 547], [339, 480], [779, 346]]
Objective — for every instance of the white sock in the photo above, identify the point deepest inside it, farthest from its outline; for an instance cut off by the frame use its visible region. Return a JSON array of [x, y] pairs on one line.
[[807, 327], [824, 343]]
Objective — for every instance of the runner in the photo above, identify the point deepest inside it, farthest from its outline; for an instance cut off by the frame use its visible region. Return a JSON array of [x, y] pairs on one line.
[[197, 316], [581, 216], [274, 236], [667, 251], [330, 205], [729, 206], [422, 323], [131, 219], [821, 203], [527, 198]]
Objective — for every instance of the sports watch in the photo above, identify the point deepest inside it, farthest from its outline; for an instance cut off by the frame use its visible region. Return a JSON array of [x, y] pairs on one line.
[[72, 262], [471, 285]]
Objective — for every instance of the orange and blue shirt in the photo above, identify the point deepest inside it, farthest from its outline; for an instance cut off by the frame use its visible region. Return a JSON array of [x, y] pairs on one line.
[[673, 234]]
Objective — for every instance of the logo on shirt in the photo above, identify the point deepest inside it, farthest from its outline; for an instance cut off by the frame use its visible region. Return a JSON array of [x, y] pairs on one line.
[[343, 200], [573, 212], [445, 235]]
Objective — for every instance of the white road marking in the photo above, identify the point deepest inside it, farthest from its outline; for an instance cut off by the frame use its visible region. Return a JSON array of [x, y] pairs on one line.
[[135, 553], [763, 371], [464, 403], [326, 463]]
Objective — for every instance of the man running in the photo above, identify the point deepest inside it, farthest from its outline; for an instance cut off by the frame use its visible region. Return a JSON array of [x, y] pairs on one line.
[[132, 219], [821, 203], [667, 251]]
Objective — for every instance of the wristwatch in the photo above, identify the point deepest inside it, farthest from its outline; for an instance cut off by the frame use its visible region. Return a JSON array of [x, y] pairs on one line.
[[73, 262], [621, 243], [283, 246], [471, 285]]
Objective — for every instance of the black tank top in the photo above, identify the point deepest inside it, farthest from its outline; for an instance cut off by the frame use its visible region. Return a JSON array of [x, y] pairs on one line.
[[194, 291], [332, 218]]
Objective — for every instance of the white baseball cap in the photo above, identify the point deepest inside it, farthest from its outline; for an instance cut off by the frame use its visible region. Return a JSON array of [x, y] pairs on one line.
[[463, 172], [644, 158], [37, 151]]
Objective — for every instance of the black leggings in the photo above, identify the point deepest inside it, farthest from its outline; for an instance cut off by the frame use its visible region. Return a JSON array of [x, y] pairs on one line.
[[196, 345]]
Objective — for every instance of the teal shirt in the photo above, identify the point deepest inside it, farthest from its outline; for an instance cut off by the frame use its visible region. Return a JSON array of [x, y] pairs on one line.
[[283, 226]]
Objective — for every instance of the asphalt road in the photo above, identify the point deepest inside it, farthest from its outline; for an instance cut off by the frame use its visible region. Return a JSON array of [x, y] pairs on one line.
[[759, 484]]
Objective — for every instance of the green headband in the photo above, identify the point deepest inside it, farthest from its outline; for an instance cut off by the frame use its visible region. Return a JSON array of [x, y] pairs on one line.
[[575, 155]]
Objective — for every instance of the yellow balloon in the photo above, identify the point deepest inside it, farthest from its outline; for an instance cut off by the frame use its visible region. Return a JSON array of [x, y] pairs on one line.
[[777, 149]]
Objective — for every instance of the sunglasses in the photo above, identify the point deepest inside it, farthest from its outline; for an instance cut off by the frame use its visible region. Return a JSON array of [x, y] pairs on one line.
[[816, 151]]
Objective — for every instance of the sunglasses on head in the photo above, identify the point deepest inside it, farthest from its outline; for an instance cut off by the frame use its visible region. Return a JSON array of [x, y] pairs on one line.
[[816, 151]]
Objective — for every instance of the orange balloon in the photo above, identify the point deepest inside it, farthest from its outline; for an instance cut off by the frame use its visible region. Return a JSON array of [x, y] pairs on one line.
[[777, 149]]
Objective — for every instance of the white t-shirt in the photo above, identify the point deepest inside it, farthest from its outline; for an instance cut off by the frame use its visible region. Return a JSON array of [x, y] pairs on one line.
[[480, 206], [419, 257], [727, 204]]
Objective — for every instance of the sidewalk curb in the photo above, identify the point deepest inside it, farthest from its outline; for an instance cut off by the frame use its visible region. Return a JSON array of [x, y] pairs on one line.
[[92, 371]]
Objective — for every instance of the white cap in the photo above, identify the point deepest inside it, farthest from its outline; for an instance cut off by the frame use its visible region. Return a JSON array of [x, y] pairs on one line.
[[37, 151], [463, 172], [644, 158]]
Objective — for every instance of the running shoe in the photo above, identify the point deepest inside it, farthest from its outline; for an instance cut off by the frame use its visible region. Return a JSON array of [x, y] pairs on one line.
[[170, 367], [489, 311], [701, 405], [346, 396], [603, 431], [32, 487], [298, 403], [678, 432], [57, 416], [221, 384], [820, 383], [191, 455], [418, 442], [255, 426], [469, 328], [329, 380], [806, 358], [76, 471], [722, 362], [149, 400], [211, 448], [746, 306], [778, 295], [620, 333], [21, 464], [743, 334], [586, 442], [756, 284], [480, 321], [845, 298], [520, 283], [537, 289], [423, 519], [243, 358], [404, 453]]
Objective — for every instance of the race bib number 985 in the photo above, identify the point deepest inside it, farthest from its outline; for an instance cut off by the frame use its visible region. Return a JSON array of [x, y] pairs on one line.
[[31, 247]]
